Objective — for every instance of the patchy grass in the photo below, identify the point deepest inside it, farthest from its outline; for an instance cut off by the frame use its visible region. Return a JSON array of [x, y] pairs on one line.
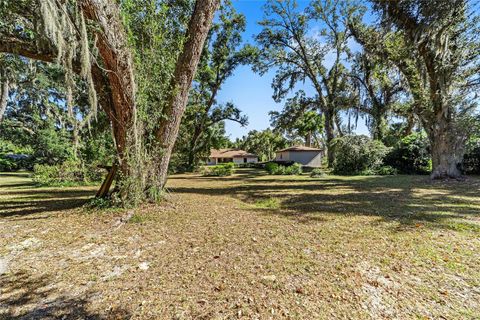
[[246, 246], [138, 218], [269, 203]]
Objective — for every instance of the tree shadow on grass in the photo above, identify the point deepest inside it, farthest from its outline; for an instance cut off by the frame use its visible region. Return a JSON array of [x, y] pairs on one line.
[[408, 200], [23, 296], [25, 202]]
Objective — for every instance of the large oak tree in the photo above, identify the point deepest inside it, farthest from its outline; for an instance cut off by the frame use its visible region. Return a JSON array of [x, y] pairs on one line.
[[89, 37]]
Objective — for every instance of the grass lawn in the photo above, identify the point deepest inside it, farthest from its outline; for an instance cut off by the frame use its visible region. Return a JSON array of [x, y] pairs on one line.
[[249, 246]]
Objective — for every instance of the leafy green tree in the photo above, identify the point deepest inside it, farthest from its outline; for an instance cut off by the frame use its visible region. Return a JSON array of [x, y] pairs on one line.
[[95, 39], [358, 154], [436, 47], [411, 155], [380, 91], [222, 54], [262, 143], [287, 44], [299, 118]]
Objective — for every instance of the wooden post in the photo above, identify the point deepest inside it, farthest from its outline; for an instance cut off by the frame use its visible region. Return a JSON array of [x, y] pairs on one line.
[[103, 191]]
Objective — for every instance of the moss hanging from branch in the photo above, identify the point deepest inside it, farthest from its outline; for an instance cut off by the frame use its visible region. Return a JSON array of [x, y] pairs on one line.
[[65, 26]]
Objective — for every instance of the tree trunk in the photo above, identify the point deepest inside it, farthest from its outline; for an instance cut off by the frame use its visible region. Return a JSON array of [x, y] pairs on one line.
[[447, 151], [113, 48], [76, 140], [193, 147], [330, 133], [308, 139], [184, 72], [3, 98], [379, 126]]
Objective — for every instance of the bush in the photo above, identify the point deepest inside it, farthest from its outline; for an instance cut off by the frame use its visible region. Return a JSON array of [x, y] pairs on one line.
[[70, 172], [221, 170], [7, 165], [358, 154], [276, 169], [387, 171], [46, 175], [471, 161], [411, 155], [13, 157], [294, 169], [317, 173], [271, 167], [229, 165]]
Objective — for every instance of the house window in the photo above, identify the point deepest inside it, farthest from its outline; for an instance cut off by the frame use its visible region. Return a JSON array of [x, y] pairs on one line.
[[281, 156]]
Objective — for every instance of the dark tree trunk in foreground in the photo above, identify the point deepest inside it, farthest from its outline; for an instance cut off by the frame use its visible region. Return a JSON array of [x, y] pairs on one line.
[[184, 72]]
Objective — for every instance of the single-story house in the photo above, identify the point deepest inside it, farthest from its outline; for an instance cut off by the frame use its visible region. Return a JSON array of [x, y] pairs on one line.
[[307, 156], [231, 155]]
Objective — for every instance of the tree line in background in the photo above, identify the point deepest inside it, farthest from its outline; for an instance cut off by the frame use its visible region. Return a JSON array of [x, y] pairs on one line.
[[409, 68]]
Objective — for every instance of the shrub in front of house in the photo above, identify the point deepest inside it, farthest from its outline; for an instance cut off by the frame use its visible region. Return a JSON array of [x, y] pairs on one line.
[[294, 169], [271, 167], [358, 154], [7, 165], [276, 169], [317, 173], [220, 170]]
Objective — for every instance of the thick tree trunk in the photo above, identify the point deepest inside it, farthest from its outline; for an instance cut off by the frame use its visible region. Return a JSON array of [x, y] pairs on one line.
[[184, 72], [113, 48], [447, 151], [3, 98]]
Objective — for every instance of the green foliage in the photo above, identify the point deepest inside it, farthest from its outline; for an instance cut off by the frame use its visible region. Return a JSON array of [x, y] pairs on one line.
[[70, 172], [386, 171], [294, 169], [317, 173], [276, 169], [7, 165], [411, 155], [358, 154], [379, 89], [52, 146], [100, 203], [271, 167], [220, 170], [471, 160], [204, 120], [269, 203], [299, 119], [13, 157], [262, 143], [138, 218]]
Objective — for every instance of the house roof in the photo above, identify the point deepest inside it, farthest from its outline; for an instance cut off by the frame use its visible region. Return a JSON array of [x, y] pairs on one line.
[[299, 148], [231, 153]]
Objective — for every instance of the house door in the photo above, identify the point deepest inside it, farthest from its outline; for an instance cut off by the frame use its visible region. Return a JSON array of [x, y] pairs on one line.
[[244, 160]]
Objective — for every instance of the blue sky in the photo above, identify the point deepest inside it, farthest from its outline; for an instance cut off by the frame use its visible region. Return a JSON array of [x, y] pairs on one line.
[[251, 92]]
